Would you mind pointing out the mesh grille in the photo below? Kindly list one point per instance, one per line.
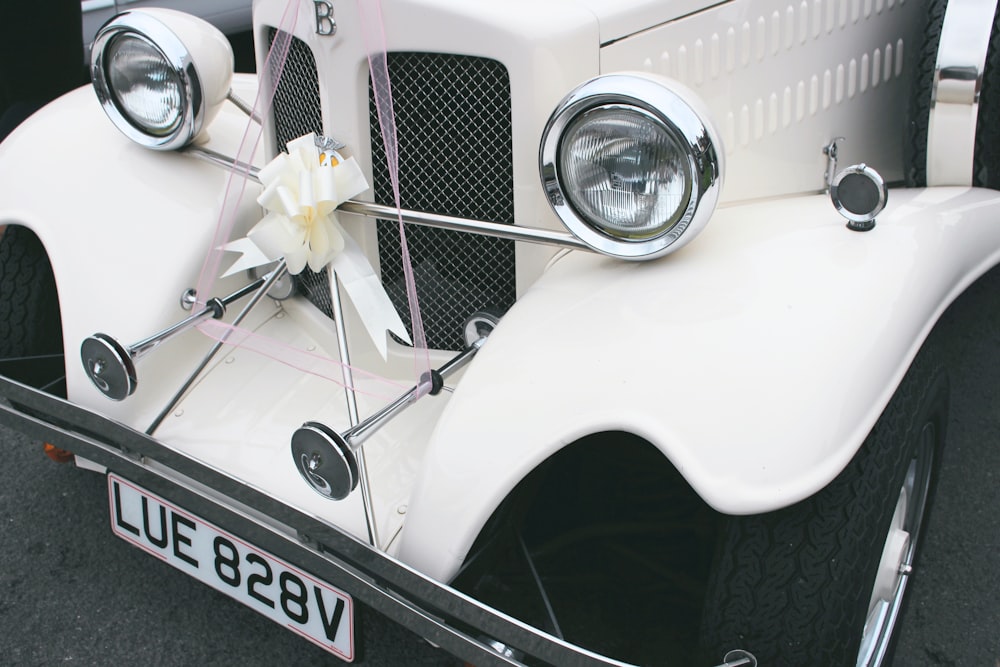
(297, 111)
(297, 108)
(453, 121)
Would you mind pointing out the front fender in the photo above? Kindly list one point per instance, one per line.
(126, 230)
(756, 359)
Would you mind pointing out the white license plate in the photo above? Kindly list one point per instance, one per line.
(285, 594)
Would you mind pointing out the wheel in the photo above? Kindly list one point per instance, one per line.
(986, 160)
(823, 582)
(31, 345)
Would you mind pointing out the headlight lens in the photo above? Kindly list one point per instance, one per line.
(625, 171)
(144, 85)
(631, 166)
(161, 75)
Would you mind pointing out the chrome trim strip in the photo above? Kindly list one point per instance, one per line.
(958, 80)
(961, 56)
(444, 616)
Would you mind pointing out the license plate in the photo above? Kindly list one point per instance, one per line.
(285, 594)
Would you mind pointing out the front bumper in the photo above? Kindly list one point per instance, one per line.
(447, 618)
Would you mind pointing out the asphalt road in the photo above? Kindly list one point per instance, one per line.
(72, 593)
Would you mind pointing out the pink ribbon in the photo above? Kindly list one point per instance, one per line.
(373, 32)
(274, 65)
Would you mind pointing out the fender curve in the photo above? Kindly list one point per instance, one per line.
(756, 359)
(122, 268)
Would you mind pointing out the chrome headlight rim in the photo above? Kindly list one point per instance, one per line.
(663, 102)
(154, 33)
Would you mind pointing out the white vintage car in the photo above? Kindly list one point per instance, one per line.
(558, 331)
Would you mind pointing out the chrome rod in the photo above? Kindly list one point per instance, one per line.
(243, 106)
(332, 463)
(352, 406)
(495, 229)
(268, 282)
(356, 435)
(111, 365)
(214, 309)
(227, 163)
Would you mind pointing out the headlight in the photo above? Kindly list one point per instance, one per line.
(630, 165)
(161, 75)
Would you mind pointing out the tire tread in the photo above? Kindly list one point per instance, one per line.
(785, 584)
(30, 323)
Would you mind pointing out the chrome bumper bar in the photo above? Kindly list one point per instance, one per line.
(442, 615)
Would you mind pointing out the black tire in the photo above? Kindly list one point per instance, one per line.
(986, 160)
(793, 586)
(915, 146)
(31, 342)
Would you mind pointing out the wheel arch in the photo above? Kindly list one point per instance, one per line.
(611, 511)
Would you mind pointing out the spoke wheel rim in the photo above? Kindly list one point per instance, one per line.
(898, 554)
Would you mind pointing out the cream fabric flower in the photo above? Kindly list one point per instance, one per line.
(302, 189)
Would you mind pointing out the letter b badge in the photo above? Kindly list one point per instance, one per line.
(325, 23)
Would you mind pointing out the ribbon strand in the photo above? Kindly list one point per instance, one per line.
(373, 32)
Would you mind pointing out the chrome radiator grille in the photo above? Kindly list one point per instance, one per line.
(453, 122)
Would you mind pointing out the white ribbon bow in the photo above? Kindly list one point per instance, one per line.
(302, 189)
